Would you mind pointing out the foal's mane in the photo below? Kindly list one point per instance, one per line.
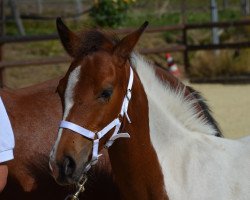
(206, 110)
(173, 100)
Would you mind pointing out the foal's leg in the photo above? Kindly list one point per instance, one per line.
(3, 176)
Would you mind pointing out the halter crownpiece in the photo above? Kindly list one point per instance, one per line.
(100, 134)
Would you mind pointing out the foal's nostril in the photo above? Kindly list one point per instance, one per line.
(68, 166)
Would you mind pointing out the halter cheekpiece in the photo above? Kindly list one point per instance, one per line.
(116, 123)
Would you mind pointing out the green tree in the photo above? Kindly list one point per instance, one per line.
(110, 12)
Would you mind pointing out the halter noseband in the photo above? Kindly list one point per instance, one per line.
(100, 134)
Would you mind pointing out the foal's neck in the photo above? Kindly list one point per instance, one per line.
(134, 161)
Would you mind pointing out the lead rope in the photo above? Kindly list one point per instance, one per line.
(80, 189)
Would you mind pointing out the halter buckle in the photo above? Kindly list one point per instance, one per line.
(93, 162)
(128, 94)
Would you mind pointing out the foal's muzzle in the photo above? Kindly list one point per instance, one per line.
(68, 166)
(64, 171)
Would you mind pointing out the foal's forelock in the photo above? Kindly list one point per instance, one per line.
(68, 102)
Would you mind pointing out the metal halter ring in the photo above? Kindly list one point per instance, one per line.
(80, 189)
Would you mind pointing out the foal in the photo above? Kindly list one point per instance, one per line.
(99, 85)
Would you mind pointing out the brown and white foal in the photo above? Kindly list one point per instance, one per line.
(104, 98)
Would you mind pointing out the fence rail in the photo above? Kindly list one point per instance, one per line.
(36, 62)
(185, 48)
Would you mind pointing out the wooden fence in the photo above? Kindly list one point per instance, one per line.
(184, 47)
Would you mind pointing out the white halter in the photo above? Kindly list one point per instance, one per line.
(115, 123)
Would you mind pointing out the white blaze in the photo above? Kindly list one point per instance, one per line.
(69, 102)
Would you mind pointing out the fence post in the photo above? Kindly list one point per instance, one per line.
(214, 18)
(245, 7)
(16, 16)
(185, 52)
(40, 6)
(2, 20)
(184, 36)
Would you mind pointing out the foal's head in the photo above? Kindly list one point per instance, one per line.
(92, 92)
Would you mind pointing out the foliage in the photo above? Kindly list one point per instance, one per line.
(110, 13)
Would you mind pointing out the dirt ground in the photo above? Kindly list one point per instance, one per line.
(230, 105)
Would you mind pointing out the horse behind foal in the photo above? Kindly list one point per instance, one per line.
(35, 113)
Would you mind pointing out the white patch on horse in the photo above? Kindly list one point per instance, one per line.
(69, 102)
(195, 164)
(171, 100)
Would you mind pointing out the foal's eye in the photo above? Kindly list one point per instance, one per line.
(106, 94)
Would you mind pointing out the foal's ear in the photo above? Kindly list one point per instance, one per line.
(70, 40)
(124, 48)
